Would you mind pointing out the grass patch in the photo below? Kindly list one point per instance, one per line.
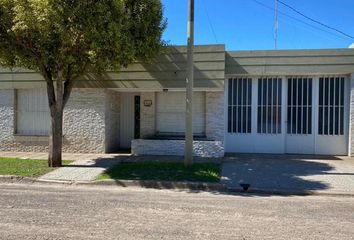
(25, 167)
(163, 171)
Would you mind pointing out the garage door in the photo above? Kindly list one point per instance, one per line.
(306, 115)
(170, 113)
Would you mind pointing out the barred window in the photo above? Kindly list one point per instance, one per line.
(239, 105)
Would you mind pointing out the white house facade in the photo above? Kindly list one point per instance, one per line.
(284, 101)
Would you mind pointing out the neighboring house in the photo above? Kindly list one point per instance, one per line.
(283, 101)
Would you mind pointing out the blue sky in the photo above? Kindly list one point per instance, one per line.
(247, 25)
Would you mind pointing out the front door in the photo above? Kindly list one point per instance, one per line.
(129, 119)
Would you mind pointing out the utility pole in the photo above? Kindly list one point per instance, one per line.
(188, 155)
(276, 24)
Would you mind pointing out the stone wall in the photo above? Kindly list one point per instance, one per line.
(147, 115)
(112, 121)
(83, 129)
(176, 147)
(215, 123)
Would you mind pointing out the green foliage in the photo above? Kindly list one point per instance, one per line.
(25, 167)
(164, 171)
(76, 35)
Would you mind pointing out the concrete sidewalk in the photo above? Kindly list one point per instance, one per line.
(86, 167)
(290, 173)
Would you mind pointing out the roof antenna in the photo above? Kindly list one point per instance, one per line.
(276, 24)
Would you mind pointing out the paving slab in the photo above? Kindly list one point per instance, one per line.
(300, 173)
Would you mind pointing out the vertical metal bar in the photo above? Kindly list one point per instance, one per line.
(297, 105)
(333, 106)
(340, 106)
(329, 104)
(241, 103)
(266, 100)
(291, 106)
(307, 105)
(260, 81)
(246, 106)
(236, 105)
(323, 103)
(231, 91)
(271, 105)
(301, 106)
(277, 104)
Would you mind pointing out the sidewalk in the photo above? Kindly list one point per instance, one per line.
(86, 167)
(290, 173)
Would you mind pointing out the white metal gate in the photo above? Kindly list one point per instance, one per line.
(306, 115)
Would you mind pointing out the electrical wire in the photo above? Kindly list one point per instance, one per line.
(210, 23)
(315, 21)
(299, 20)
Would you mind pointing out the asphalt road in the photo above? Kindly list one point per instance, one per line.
(69, 212)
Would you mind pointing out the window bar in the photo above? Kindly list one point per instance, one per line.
(236, 110)
(266, 104)
(307, 105)
(329, 104)
(230, 103)
(323, 104)
(246, 107)
(334, 107)
(233, 105)
(291, 106)
(301, 104)
(241, 106)
(239, 127)
(297, 105)
(340, 106)
(261, 104)
(272, 107)
(276, 113)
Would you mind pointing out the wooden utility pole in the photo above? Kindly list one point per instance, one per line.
(188, 156)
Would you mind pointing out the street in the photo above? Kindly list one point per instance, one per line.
(79, 212)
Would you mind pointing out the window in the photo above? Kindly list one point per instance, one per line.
(299, 105)
(170, 113)
(269, 105)
(239, 105)
(331, 106)
(32, 112)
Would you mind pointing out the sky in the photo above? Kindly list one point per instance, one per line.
(249, 24)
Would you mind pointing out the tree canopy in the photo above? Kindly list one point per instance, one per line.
(64, 39)
(45, 35)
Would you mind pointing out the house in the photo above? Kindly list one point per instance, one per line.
(280, 101)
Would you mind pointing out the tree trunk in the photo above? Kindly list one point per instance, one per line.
(56, 112)
(56, 138)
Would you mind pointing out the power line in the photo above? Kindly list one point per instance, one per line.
(314, 20)
(298, 20)
(209, 21)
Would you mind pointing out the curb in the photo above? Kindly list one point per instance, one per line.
(288, 192)
(196, 186)
(157, 184)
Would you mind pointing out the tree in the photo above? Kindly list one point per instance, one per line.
(66, 39)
